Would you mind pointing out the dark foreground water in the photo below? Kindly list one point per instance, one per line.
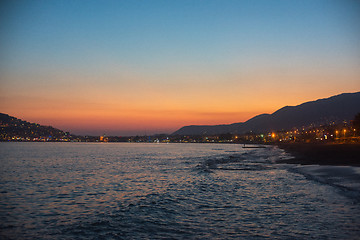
(171, 191)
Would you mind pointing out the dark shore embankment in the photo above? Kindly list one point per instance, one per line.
(322, 154)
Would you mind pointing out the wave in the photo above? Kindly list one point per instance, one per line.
(254, 160)
(344, 178)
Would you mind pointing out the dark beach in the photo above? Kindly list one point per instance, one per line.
(322, 154)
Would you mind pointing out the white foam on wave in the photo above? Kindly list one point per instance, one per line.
(347, 177)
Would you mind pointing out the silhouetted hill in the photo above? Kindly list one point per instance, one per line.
(13, 128)
(323, 111)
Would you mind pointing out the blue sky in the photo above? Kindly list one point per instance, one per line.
(193, 48)
(156, 33)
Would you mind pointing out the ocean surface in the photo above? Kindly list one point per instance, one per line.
(166, 191)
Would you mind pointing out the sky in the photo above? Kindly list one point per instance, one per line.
(126, 68)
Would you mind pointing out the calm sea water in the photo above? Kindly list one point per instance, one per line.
(164, 191)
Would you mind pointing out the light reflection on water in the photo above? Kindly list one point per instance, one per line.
(81, 191)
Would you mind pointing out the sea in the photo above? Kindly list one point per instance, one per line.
(166, 191)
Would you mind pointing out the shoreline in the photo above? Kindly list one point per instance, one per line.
(322, 154)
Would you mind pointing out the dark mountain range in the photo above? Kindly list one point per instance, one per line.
(323, 111)
(13, 128)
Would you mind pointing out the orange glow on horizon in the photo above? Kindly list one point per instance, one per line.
(156, 105)
(165, 122)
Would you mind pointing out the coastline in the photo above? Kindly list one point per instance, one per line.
(322, 154)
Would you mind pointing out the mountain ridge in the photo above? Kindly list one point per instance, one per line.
(13, 128)
(321, 111)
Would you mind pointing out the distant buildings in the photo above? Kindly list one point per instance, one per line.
(13, 129)
(104, 138)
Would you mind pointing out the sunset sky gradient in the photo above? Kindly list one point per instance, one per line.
(145, 67)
